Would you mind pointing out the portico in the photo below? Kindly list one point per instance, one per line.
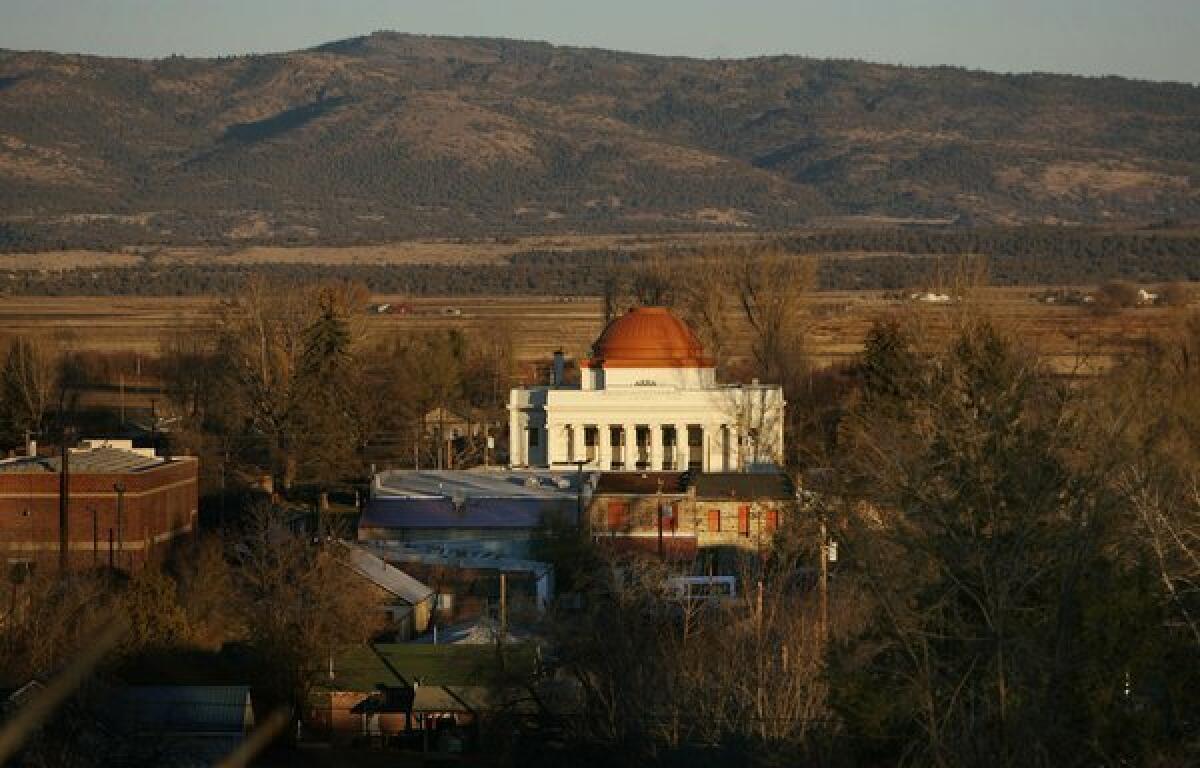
(648, 401)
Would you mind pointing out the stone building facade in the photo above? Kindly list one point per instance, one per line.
(712, 520)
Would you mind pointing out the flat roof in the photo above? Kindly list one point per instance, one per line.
(473, 512)
(467, 484)
(641, 483)
(103, 460)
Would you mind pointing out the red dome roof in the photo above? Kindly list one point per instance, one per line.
(648, 337)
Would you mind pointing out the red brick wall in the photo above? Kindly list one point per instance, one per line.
(159, 506)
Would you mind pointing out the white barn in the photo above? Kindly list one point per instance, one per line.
(648, 400)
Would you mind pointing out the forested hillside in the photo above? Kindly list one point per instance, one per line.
(392, 136)
(886, 259)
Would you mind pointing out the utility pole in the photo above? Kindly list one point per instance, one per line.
(64, 480)
(221, 509)
(823, 583)
(119, 487)
(662, 554)
(503, 607)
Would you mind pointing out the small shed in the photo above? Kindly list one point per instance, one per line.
(408, 601)
(184, 724)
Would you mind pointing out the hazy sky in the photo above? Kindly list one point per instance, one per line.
(1156, 39)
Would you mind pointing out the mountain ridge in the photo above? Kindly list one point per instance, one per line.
(389, 136)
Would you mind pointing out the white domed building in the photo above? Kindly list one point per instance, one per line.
(648, 400)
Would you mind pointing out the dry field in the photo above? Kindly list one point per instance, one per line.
(486, 251)
(1071, 338)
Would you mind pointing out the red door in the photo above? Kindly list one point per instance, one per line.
(618, 515)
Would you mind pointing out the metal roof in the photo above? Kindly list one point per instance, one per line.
(190, 708)
(103, 460)
(387, 576)
(464, 484)
(472, 513)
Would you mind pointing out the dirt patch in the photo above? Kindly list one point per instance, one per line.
(1062, 179)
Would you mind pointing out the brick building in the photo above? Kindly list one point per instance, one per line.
(125, 505)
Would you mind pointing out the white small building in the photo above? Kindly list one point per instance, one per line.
(648, 400)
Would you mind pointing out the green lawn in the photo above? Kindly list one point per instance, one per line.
(361, 668)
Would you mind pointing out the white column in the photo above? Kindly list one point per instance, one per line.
(630, 441)
(681, 447)
(656, 447)
(516, 438)
(706, 448)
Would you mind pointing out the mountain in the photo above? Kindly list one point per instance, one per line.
(390, 136)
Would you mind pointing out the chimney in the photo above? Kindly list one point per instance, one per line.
(559, 365)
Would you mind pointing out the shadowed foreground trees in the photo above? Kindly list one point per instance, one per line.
(263, 606)
(1018, 584)
(1011, 621)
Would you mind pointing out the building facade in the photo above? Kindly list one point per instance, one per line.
(716, 522)
(123, 505)
(648, 400)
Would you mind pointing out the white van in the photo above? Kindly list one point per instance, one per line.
(701, 587)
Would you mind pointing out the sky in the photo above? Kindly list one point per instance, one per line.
(1149, 39)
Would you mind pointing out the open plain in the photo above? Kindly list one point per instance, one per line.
(1073, 339)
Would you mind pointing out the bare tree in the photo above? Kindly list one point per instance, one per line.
(1169, 525)
(29, 382)
(297, 601)
(770, 285)
(264, 333)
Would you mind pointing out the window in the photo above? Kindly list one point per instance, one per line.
(744, 520)
(772, 520)
(667, 512)
(695, 441)
(714, 521)
(641, 438)
(669, 447)
(591, 439)
(533, 437)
